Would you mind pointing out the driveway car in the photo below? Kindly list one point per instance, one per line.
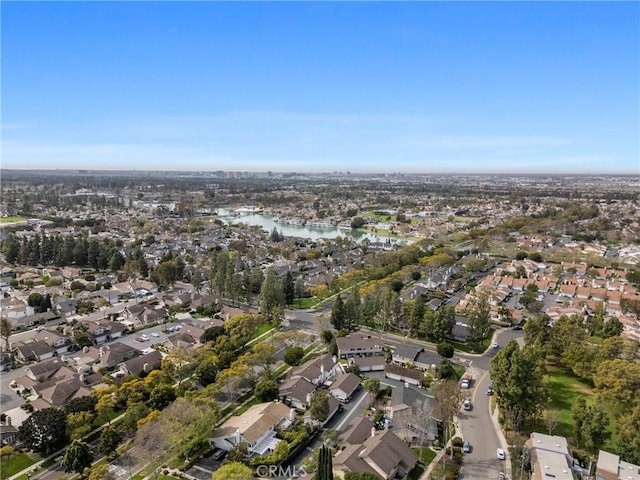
(500, 454)
(495, 345)
(464, 383)
(218, 454)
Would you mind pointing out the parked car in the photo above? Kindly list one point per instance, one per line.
(145, 338)
(495, 345)
(218, 454)
(466, 447)
(490, 390)
(467, 405)
(501, 476)
(500, 454)
(464, 383)
(155, 334)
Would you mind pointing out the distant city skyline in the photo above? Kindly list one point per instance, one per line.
(415, 87)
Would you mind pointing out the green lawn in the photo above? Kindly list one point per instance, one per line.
(564, 388)
(465, 347)
(18, 462)
(11, 219)
(305, 303)
(427, 455)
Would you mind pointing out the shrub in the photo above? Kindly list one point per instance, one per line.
(457, 442)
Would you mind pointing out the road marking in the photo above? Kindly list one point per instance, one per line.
(475, 390)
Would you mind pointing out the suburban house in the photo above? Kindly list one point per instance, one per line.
(380, 453)
(187, 337)
(297, 392)
(257, 427)
(404, 354)
(403, 374)
(35, 351)
(358, 345)
(8, 433)
(140, 365)
(550, 458)
(374, 363)
(52, 383)
(410, 411)
(610, 467)
(317, 370)
(60, 343)
(345, 386)
(109, 356)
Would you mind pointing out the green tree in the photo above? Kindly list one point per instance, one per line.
(518, 381)
(353, 307)
(416, 314)
(44, 430)
(77, 457)
(79, 424)
(478, 321)
(35, 300)
(233, 471)
(319, 406)
(443, 322)
(372, 387)
(271, 295)
(207, 371)
(293, 355)
(161, 396)
(239, 453)
(325, 467)
(266, 390)
(619, 382)
(445, 350)
(628, 445)
(595, 427)
(612, 328)
(579, 415)
(5, 332)
(288, 288)
(110, 438)
(338, 314)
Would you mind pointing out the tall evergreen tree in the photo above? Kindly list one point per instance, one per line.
(325, 464)
(338, 314)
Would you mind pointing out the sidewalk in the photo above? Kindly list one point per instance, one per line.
(441, 452)
(503, 441)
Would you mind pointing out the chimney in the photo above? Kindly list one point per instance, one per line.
(145, 368)
(7, 420)
(373, 431)
(238, 436)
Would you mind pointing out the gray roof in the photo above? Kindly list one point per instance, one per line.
(407, 351)
(347, 382)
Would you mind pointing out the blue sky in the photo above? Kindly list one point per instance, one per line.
(461, 87)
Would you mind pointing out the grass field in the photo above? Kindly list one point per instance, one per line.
(564, 389)
(305, 303)
(11, 219)
(427, 455)
(18, 462)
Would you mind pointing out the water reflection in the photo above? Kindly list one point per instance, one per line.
(268, 222)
